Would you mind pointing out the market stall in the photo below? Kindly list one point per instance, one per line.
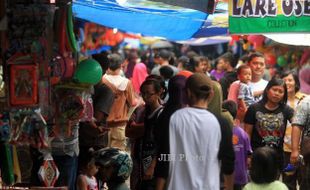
(43, 89)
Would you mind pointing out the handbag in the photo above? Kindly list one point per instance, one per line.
(305, 148)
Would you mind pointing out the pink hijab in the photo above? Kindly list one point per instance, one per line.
(304, 78)
(138, 76)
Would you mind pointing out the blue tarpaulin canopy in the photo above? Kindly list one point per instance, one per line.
(150, 18)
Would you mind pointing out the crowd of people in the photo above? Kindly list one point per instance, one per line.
(190, 124)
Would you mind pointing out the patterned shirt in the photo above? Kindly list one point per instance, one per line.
(302, 115)
(245, 93)
(287, 145)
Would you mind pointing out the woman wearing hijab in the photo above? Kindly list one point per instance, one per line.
(177, 99)
(139, 75)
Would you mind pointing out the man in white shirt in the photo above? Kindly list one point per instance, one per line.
(257, 64)
(198, 143)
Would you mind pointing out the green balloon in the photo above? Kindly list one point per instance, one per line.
(88, 71)
(281, 61)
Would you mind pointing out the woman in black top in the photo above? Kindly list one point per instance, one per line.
(265, 122)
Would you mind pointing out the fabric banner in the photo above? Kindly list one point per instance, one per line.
(144, 17)
(207, 6)
(267, 16)
(155, 19)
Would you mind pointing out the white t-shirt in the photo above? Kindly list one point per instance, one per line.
(195, 136)
(258, 86)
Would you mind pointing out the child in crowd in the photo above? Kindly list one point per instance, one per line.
(86, 180)
(115, 167)
(264, 171)
(245, 94)
(242, 148)
(218, 72)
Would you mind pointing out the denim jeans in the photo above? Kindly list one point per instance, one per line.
(67, 167)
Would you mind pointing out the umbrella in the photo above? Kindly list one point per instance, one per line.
(161, 44)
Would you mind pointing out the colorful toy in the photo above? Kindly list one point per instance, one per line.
(48, 172)
(88, 71)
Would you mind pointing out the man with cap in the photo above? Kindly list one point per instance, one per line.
(198, 142)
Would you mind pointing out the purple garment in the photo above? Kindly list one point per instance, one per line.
(217, 75)
(242, 148)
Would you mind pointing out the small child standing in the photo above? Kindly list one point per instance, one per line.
(242, 148)
(86, 180)
(245, 94)
(115, 167)
(264, 171)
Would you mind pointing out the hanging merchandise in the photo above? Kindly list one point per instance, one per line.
(62, 30)
(30, 34)
(23, 85)
(28, 128)
(70, 31)
(88, 111)
(270, 59)
(88, 71)
(16, 167)
(44, 97)
(23, 79)
(4, 127)
(27, 23)
(26, 162)
(69, 108)
(281, 61)
(48, 172)
(2, 83)
(21, 128)
(57, 67)
(7, 165)
(62, 64)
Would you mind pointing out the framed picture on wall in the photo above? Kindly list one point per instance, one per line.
(23, 85)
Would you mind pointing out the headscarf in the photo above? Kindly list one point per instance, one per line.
(215, 104)
(304, 78)
(177, 92)
(177, 99)
(138, 76)
(132, 57)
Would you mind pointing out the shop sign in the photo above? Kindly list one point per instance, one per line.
(269, 16)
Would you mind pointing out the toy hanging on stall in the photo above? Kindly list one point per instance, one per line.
(23, 80)
(69, 109)
(28, 128)
(48, 172)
